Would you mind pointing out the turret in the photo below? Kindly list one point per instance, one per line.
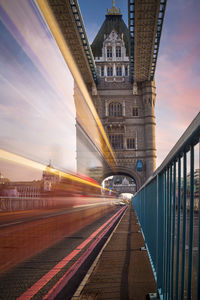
(149, 97)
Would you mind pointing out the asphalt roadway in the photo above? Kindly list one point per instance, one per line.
(35, 254)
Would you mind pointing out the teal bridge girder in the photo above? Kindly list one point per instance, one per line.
(81, 29)
(140, 37)
(152, 13)
(145, 22)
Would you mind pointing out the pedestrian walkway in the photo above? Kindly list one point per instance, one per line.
(123, 270)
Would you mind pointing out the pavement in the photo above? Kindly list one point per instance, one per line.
(123, 271)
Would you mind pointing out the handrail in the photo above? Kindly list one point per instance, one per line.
(191, 134)
(168, 211)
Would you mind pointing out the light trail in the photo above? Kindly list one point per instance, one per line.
(29, 163)
(49, 17)
(48, 276)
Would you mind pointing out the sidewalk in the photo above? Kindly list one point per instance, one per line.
(123, 270)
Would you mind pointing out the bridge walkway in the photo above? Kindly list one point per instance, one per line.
(122, 270)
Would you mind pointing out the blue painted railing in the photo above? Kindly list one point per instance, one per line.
(167, 207)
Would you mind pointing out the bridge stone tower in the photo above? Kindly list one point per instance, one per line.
(126, 110)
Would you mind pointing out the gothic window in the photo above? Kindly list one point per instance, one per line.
(102, 70)
(130, 143)
(109, 71)
(118, 51)
(117, 141)
(115, 109)
(135, 112)
(119, 71)
(126, 71)
(109, 51)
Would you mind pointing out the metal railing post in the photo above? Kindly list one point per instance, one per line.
(168, 234)
(184, 224)
(173, 230)
(189, 286)
(198, 271)
(178, 229)
(162, 211)
(144, 212)
(160, 231)
(165, 236)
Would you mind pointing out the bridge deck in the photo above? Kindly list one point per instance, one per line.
(123, 270)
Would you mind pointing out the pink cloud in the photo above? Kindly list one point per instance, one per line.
(178, 83)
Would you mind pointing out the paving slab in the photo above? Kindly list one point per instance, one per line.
(123, 270)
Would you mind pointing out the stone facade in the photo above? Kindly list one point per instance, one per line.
(126, 111)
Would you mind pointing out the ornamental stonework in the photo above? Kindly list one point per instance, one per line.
(126, 112)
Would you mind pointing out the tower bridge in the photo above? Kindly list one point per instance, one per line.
(118, 70)
(73, 114)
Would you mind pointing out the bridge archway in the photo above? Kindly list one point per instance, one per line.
(123, 171)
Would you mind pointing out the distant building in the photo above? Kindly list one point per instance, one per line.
(30, 189)
(3, 180)
(121, 184)
(22, 189)
(108, 183)
(49, 178)
(196, 182)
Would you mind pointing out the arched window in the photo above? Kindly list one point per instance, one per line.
(109, 71)
(118, 51)
(119, 71)
(115, 109)
(109, 51)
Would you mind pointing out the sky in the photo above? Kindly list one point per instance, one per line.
(36, 103)
(177, 74)
(37, 111)
(37, 107)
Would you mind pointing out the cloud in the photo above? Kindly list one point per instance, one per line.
(177, 78)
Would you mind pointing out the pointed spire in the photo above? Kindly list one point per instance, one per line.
(113, 10)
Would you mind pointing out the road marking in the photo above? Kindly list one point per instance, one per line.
(87, 276)
(49, 215)
(55, 290)
(48, 276)
(9, 224)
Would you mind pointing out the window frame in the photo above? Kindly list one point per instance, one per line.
(102, 71)
(118, 71)
(115, 109)
(118, 50)
(126, 70)
(117, 141)
(130, 144)
(109, 52)
(110, 71)
(135, 111)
